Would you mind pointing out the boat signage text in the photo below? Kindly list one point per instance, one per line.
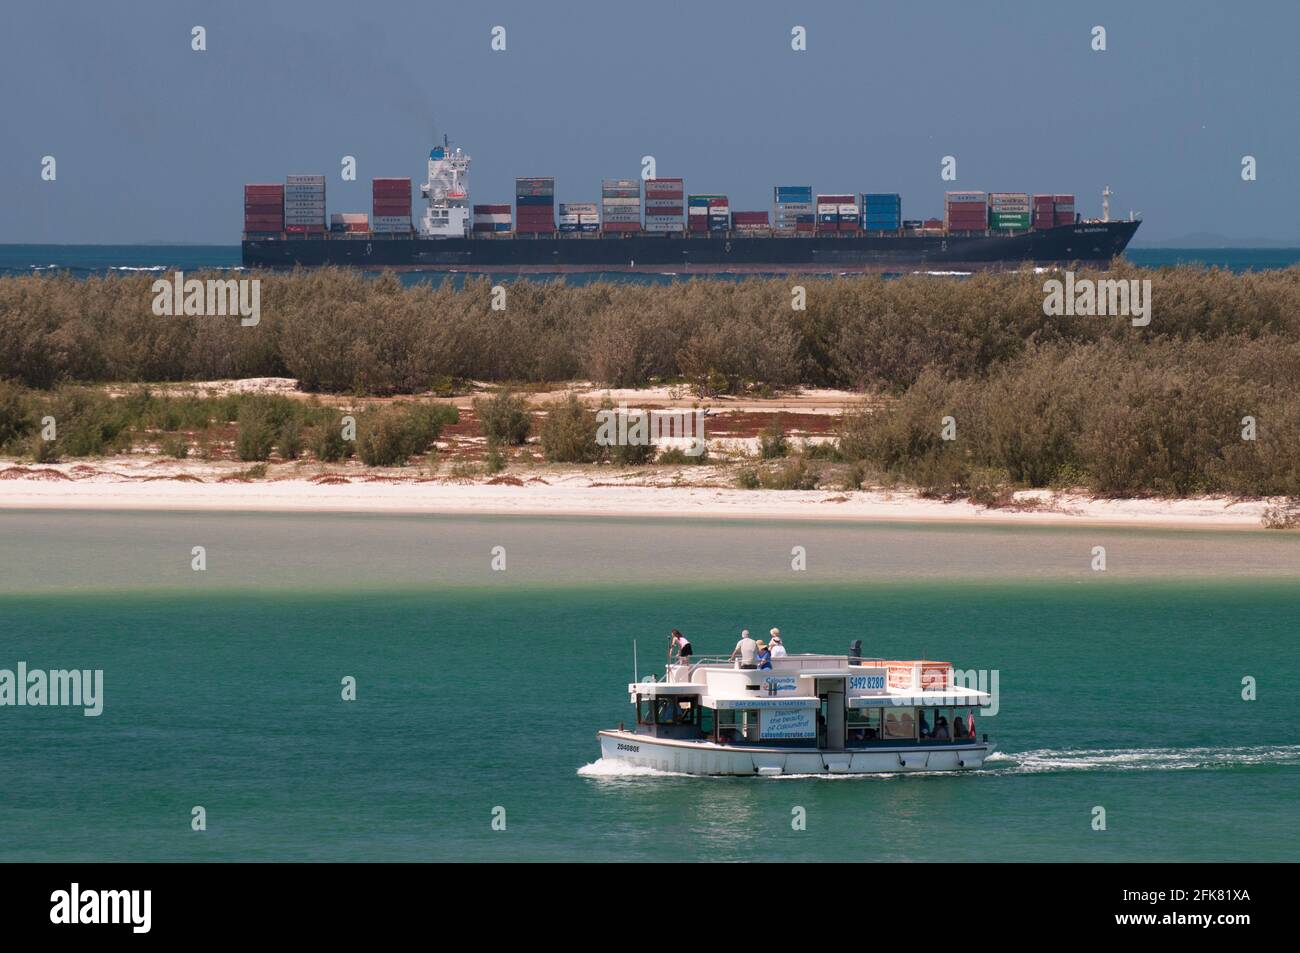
(787, 723)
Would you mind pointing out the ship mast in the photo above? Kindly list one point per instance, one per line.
(1105, 204)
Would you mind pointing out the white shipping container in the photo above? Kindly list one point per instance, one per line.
(655, 226)
(850, 210)
(624, 203)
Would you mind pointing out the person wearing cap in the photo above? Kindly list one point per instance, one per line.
(775, 646)
(764, 656)
(746, 650)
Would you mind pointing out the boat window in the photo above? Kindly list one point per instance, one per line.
(644, 710)
(863, 724)
(707, 716)
(728, 725)
(676, 709)
(961, 723)
(900, 722)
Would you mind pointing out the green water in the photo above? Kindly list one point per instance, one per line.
(479, 690)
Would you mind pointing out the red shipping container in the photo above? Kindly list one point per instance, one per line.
(749, 218)
(304, 229)
(849, 226)
(621, 226)
(491, 209)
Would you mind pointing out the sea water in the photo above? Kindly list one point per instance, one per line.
(478, 692)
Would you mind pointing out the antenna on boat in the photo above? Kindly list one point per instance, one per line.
(1105, 204)
(635, 675)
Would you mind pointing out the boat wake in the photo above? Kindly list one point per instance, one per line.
(606, 768)
(1043, 760)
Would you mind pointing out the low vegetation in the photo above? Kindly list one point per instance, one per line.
(1206, 399)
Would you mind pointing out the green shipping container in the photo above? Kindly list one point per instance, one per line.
(1018, 221)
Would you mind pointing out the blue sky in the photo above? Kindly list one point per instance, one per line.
(153, 141)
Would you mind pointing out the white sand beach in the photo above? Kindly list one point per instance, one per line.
(142, 482)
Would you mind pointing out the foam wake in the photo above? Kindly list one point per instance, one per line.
(606, 768)
(1041, 760)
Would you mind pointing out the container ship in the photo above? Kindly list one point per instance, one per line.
(654, 225)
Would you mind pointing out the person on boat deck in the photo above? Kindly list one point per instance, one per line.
(746, 649)
(774, 644)
(925, 726)
(941, 729)
(958, 728)
(683, 646)
(764, 655)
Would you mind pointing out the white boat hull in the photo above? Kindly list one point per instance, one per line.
(706, 758)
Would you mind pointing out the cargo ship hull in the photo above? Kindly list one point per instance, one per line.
(1088, 243)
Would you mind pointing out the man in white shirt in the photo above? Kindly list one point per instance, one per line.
(746, 649)
(775, 645)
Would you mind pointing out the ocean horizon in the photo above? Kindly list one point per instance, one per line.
(89, 260)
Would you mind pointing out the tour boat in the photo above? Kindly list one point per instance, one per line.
(807, 714)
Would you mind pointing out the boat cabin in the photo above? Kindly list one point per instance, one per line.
(830, 702)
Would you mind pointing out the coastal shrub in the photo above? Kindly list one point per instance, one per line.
(793, 474)
(15, 413)
(290, 441)
(327, 444)
(568, 432)
(632, 454)
(337, 331)
(504, 418)
(747, 479)
(257, 431)
(679, 457)
(772, 442)
(389, 436)
(88, 423)
(820, 451)
(174, 445)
